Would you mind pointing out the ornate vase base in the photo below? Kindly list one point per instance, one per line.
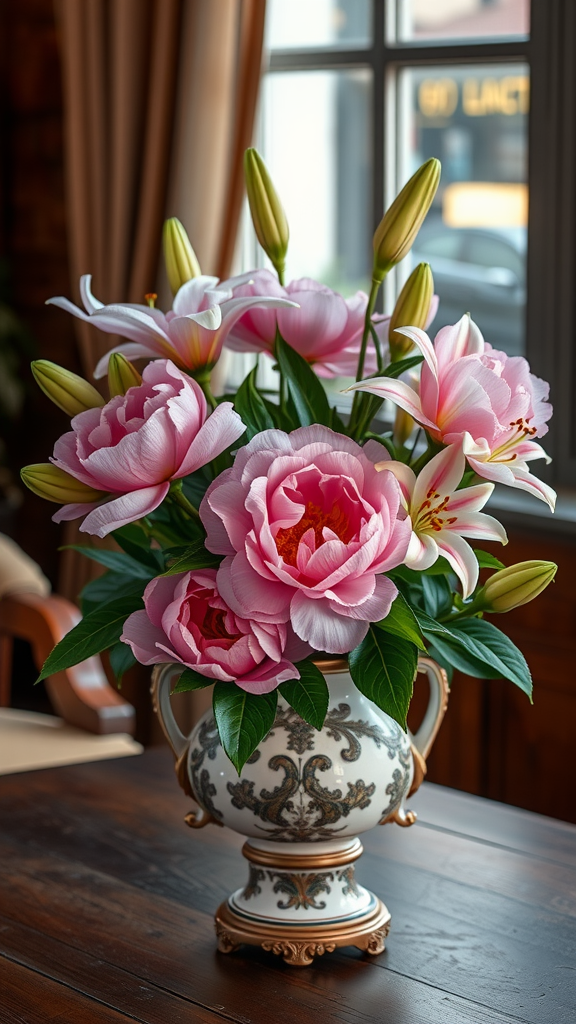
(302, 901)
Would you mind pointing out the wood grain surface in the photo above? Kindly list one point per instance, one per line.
(106, 904)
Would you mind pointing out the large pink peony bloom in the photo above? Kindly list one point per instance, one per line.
(308, 526)
(138, 442)
(326, 329)
(483, 399)
(187, 621)
(191, 333)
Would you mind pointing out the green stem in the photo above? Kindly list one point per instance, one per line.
(467, 613)
(366, 332)
(176, 495)
(358, 396)
(416, 439)
(203, 379)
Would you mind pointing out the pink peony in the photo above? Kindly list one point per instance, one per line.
(308, 526)
(326, 329)
(483, 399)
(138, 442)
(187, 621)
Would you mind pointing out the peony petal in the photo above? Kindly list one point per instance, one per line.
(323, 628)
(144, 638)
(123, 510)
(220, 430)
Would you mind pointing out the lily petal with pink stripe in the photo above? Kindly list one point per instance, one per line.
(484, 399)
(442, 515)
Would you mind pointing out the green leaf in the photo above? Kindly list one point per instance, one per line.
(453, 653)
(250, 406)
(93, 634)
(243, 720)
(486, 560)
(488, 643)
(109, 587)
(397, 369)
(448, 668)
(121, 659)
(308, 695)
(118, 561)
(193, 556)
(402, 622)
(306, 391)
(437, 594)
(191, 680)
(383, 667)
(135, 542)
(478, 648)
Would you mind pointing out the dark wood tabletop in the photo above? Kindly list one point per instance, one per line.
(106, 904)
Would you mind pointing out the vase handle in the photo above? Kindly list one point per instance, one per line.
(437, 705)
(162, 678)
(421, 743)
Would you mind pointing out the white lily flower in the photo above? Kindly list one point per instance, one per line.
(191, 334)
(442, 516)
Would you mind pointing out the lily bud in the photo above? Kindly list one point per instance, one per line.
(122, 374)
(67, 390)
(54, 484)
(402, 221)
(180, 258)
(516, 585)
(268, 215)
(411, 310)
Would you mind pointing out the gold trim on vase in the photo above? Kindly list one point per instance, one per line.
(299, 944)
(303, 861)
(331, 666)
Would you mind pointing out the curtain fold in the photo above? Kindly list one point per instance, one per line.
(159, 98)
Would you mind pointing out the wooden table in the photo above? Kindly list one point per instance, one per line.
(106, 903)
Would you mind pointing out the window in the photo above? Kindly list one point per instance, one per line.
(359, 93)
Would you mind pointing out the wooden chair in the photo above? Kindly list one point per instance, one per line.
(81, 695)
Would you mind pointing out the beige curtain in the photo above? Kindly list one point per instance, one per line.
(159, 98)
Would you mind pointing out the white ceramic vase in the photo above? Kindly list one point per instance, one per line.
(302, 800)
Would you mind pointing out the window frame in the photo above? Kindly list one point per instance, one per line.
(551, 251)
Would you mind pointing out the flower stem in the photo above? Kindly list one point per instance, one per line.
(358, 396)
(203, 379)
(179, 498)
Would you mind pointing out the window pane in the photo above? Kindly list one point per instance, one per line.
(462, 19)
(315, 137)
(475, 120)
(301, 23)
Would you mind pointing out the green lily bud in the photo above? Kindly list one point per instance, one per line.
(180, 258)
(268, 215)
(122, 374)
(411, 310)
(67, 390)
(402, 221)
(54, 484)
(516, 585)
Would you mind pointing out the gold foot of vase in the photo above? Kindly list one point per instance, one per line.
(299, 906)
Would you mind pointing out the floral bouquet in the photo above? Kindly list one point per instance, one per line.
(257, 531)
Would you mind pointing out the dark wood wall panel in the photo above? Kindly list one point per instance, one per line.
(493, 742)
